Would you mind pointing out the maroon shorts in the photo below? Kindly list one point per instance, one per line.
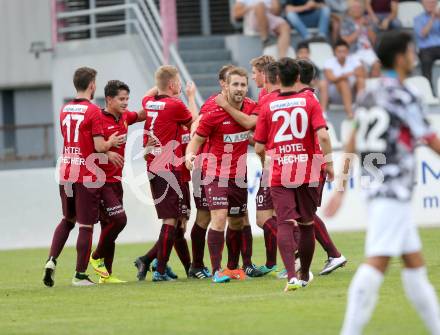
(111, 202)
(299, 203)
(200, 198)
(168, 195)
(186, 202)
(226, 194)
(199, 191)
(80, 202)
(264, 199)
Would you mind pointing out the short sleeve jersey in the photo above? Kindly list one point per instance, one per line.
(165, 116)
(262, 100)
(261, 94)
(390, 119)
(111, 124)
(287, 125)
(209, 105)
(80, 121)
(228, 141)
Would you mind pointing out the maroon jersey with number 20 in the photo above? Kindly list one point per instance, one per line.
(287, 125)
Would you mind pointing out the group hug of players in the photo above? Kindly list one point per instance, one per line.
(290, 136)
(288, 130)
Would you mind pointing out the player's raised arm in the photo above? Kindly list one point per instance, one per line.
(191, 94)
(244, 120)
(152, 92)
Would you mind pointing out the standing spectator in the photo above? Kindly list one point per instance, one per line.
(264, 17)
(360, 36)
(383, 14)
(345, 74)
(303, 14)
(427, 30)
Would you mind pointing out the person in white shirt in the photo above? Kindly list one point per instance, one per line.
(263, 16)
(345, 75)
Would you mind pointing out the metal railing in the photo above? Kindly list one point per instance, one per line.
(140, 15)
(11, 153)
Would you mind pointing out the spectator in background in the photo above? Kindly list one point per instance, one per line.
(303, 14)
(360, 36)
(383, 14)
(345, 75)
(319, 84)
(427, 31)
(337, 10)
(264, 17)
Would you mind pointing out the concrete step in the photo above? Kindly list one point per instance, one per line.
(201, 43)
(206, 55)
(206, 79)
(195, 68)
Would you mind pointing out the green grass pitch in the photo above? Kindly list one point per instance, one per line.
(254, 306)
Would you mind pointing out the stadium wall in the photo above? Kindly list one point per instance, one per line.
(31, 207)
(22, 23)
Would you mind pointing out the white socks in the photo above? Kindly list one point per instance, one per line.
(362, 298)
(363, 294)
(422, 295)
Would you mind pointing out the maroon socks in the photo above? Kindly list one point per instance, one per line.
(216, 241)
(198, 235)
(181, 247)
(83, 248)
(246, 246)
(324, 238)
(60, 237)
(287, 246)
(270, 241)
(164, 246)
(233, 242)
(306, 249)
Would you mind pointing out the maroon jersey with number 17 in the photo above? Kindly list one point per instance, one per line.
(80, 121)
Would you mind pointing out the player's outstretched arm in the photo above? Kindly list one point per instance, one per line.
(142, 115)
(434, 144)
(244, 120)
(260, 150)
(114, 140)
(193, 147)
(335, 201)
